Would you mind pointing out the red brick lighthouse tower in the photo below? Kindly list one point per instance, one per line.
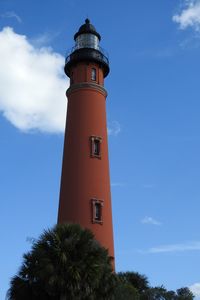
(85, 184)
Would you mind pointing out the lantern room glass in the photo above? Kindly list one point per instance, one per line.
(87, 40)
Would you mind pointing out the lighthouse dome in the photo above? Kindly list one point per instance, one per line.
(87, 28)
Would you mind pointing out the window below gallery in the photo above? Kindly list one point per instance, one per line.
(94, 74)
(96, 146)
(97, 209)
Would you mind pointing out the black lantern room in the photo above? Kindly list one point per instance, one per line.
(87, 49)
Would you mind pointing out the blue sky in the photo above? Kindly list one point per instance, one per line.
(153, 124)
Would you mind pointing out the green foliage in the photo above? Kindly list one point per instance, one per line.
(158, 293)
(126, 291)
(138, 281)
(142, 290)
(64, 263)
(184, 294)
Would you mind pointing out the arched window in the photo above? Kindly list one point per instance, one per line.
(94, 74)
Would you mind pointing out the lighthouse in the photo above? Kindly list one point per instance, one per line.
(85, 196)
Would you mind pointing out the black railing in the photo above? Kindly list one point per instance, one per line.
(99, 53)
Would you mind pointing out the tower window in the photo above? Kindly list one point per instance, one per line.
(94, 74)
(97, 212)
(96, 146)
(97, 207)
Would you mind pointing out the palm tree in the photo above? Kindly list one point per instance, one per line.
(138, 281)
(64, 263)
(126, 291)
(184, 294)
(24, 289)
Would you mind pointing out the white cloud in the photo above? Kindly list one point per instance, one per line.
(43, 39)
(190, 246)
(189, 16)
(114, 128)
(12, 14)
(195, 289)
(32, 90)
(150, 220)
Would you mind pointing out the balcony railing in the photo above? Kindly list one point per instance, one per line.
(99, 53)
